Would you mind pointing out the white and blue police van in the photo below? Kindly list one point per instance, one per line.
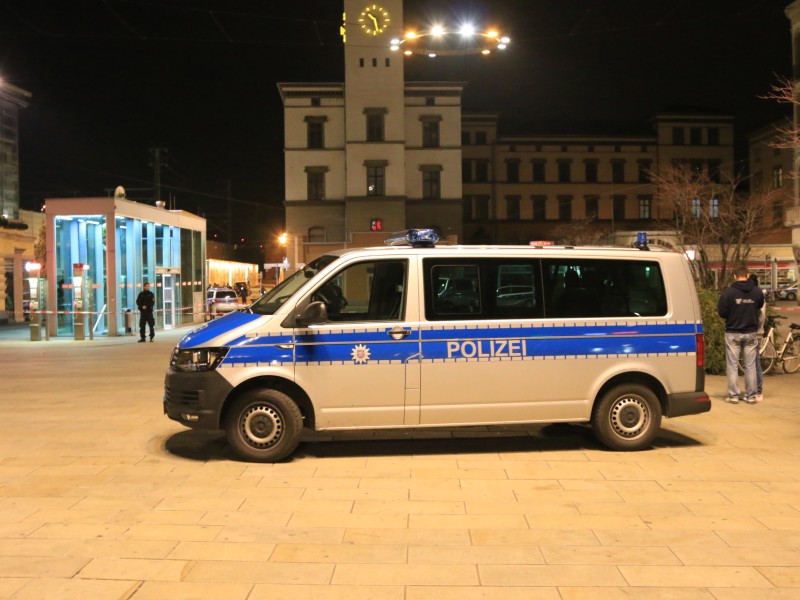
(423, 335)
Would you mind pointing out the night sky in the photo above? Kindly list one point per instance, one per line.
(112, 78)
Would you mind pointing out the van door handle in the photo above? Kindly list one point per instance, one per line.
(398, 333)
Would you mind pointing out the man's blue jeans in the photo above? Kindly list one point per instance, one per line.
(735, 344)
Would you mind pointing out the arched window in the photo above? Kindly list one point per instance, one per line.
(316, 234)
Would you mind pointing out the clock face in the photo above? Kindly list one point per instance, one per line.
(374, 19)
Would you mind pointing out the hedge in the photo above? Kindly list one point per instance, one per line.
(714, 331)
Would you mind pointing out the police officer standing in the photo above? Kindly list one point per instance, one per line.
(146, 301)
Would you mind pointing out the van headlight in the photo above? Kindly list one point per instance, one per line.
(190, 360)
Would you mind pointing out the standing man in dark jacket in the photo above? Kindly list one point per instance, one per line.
(740, 305)
(146, 301)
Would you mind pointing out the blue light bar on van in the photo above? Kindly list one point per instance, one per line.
(418, 238)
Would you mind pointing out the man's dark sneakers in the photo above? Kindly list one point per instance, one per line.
(151, 338)
(141, 340)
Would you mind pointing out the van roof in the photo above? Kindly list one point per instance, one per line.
(494, 250)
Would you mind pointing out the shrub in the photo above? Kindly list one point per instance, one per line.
(713, 330)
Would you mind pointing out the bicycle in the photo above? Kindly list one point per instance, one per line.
(788, 355)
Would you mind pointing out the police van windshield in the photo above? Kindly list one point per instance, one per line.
(273, 299)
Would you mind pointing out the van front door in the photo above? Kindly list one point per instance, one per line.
(361, 367)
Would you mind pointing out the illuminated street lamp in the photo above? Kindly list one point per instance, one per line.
(441, 40)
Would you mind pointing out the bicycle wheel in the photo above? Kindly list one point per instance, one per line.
(768, 356)
(791, 357)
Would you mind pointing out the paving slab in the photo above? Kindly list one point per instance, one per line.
(101, 496)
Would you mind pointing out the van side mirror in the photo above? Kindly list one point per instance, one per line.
(313, 314)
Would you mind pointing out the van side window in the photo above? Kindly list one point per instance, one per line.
(603, 288)
(366, 291)
(486, 288)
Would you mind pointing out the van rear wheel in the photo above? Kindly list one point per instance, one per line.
(263, 425)
(627, 417)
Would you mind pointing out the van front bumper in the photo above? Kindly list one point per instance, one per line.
(687, 403)
(195, 399)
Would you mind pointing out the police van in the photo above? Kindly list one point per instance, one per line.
(417, 335)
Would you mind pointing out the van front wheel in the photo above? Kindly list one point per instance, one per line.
(264, 425)
(627, 417)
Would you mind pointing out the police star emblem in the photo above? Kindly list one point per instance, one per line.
(360, 354)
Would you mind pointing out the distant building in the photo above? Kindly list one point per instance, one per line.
(771, 168)
(524, 187)
(100, 251)
(12, 99)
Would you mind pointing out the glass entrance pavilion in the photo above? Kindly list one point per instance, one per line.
(100, 251)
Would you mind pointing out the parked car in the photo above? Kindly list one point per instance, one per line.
(787, 293)
(221, 300)
(515, 295)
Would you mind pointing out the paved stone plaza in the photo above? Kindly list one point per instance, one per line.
(102, 497)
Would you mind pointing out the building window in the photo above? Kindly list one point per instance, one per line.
(431, 181)
(565, 208)
(374, 62)
(360, 62)
(482, 171)
(316, 234)
(777, 177)
(465, 138)
(466, 170)
(645, 166)
(713, 208)
(466, 209)
(591, 171)
(564, 171)
(618, 171)
(480, 138)
(539, 208)
(315, 101)
(697, 208)
(316, 185)
(315, 130)
(375, 124)
(695, 136)
(315, 182)
(387, 62)
(777, 213)
(482, 208)
(696, 167)
(592, 204)
(430, 100)
(619, 207)
(713, 170)
(512, 171)
(538, 171)
(678, 137)
(512, 208)
(430, 133)
(713, 136)
(645, 205)
(376, 175)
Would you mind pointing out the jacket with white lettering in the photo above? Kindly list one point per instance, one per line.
(739, 305)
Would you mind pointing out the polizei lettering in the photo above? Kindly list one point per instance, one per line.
(487, 349)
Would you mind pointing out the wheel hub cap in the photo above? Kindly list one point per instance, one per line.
(262, 426)
(629, 416)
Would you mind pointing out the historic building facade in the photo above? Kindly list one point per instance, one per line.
(519, 188)
(375, 153)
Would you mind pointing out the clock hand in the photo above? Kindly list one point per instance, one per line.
(374, 20)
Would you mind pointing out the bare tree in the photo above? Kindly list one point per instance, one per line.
(715, 219)
(782, 92)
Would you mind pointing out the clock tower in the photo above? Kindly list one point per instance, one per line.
(373, 153)
(374, 115)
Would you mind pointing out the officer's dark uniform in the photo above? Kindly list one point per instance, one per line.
(146, 301)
